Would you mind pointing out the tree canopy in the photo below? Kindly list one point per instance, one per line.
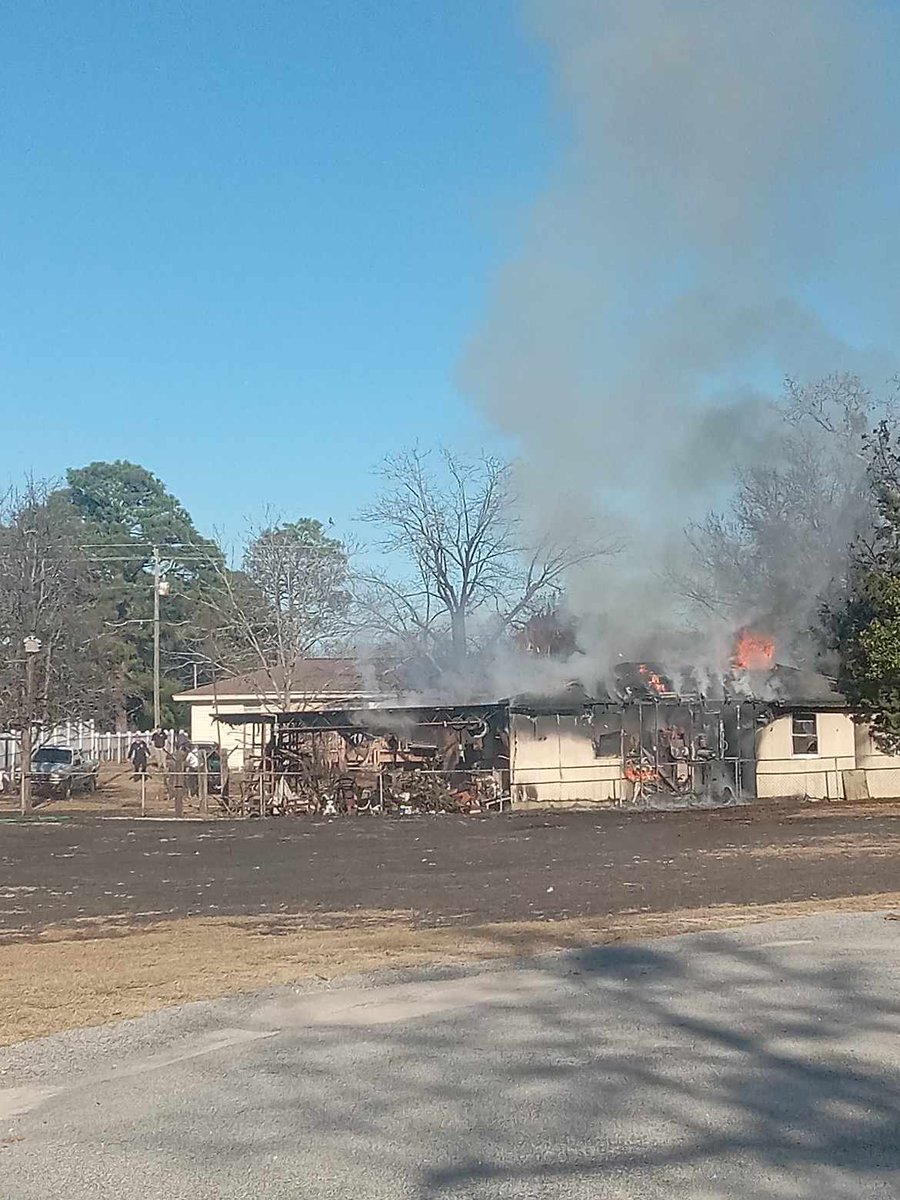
(124, 512)
(865, 626)
(288, 601)
(47, 590)
(121, 499)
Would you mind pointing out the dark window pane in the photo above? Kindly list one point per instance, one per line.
(607, 744)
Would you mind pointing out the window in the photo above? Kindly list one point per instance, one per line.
(53, 754)
(805, 733)
(607, 737)
(608, 745)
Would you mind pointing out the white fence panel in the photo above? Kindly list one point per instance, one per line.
(107, 746)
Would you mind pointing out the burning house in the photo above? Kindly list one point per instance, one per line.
(445, 758)
(761, 730)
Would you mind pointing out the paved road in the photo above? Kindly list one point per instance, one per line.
(761, 1063)
(443, 869)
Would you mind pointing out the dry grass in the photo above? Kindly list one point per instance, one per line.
(101, 970)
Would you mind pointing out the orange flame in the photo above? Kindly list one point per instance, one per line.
(654, 681)
(753, 651)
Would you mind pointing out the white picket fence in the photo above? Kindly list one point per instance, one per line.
(84, 736)
(108, 747)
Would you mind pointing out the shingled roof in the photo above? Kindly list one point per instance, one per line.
(307, 677)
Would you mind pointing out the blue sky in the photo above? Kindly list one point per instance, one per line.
(245, 244)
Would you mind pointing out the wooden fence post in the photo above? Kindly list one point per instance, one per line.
(178, 789)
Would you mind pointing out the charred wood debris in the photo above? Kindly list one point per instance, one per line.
(454, 760)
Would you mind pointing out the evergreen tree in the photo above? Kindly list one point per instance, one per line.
(865, 629)
(124, 511)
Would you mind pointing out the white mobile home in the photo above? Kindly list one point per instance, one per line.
(803, 740)
(813, 746)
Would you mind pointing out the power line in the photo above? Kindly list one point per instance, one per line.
(130, 542)
(129, 558)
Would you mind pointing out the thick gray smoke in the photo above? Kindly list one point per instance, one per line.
(724, 216)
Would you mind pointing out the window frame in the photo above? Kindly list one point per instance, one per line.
(597, 743)
(805, 715)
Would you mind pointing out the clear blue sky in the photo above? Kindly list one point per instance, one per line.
(244, 244)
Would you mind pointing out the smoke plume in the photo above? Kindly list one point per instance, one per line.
(723, 216)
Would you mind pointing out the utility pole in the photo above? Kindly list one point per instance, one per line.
(157, 717)
(32, 646)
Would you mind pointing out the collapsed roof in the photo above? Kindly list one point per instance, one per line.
(780, 688)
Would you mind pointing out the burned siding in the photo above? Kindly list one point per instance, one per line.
(632, 752)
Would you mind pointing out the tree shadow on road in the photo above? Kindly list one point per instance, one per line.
(762, 1068)
(599, 1067)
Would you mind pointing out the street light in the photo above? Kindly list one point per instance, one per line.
(31, 645)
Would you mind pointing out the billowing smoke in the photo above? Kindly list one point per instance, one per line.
(724, 216)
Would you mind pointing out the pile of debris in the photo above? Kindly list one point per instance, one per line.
(324, 764)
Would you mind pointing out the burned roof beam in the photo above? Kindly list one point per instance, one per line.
(337, 720)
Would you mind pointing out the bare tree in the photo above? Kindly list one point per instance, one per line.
(287, 601)
(782, 547)
(51, 650)
(455, 525)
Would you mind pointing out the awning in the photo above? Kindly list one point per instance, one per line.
(377, 719)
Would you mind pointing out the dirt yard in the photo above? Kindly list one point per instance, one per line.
(118, 795)
(107, 918)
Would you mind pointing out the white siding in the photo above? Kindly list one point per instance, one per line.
(237, 739)
(232, 738)
(882, 770)
(552, 759)
(780, 772)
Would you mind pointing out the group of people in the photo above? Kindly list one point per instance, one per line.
(154, 749)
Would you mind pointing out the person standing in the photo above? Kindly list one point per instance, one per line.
(139, 756)
(158, 748)
(192, 770)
